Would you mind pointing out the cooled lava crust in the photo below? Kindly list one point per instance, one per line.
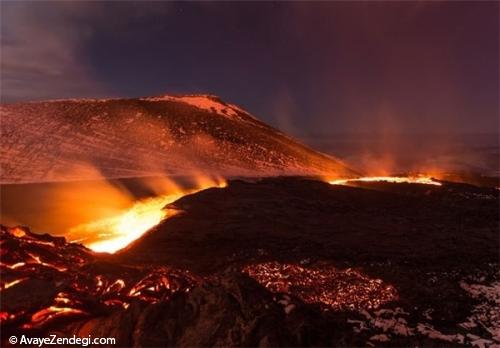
(275, 262)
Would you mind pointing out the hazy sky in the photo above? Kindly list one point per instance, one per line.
(305, 67)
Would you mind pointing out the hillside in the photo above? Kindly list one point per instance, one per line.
(183, 135)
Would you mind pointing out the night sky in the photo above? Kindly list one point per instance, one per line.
(321, 67)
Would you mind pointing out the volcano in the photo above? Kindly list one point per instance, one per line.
(272, 244)
(172, 135)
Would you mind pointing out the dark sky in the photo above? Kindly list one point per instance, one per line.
(305, 67)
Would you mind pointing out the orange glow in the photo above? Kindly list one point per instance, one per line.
(67, 204)
(12, 283)
(113, 233)
(18, 232)
(38, 260)
(62, 298)
(14, 266)
(415, 179)
(115, 287)
(44, 315)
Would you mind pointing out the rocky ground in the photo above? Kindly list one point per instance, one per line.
(275, 262)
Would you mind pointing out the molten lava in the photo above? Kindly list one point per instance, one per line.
(56, 277)
(417, 179)
(116, 232)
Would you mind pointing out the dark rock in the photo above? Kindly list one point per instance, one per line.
(232, 310)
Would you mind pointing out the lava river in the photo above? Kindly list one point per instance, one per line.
(115, 232)
(410, 179)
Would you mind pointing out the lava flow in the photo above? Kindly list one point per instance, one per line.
(116, 232)
(45, 278)
(412, 179)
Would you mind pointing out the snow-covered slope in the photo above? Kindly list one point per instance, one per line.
(174, 135)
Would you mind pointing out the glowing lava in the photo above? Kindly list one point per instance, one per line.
(35, 261)
(116, 232)
(328, 286)
(417, 179)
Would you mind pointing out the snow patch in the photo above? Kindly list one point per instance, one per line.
(479, 342)
(428, 330)
(487, 313)
(72, 100)
(389, 322)
(205, 102)
(380, 338)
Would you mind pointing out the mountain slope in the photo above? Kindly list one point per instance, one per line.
(58, 140)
